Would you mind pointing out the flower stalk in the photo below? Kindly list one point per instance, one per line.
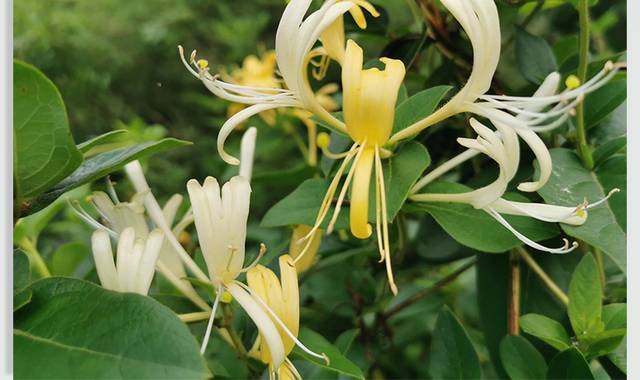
(583, 147)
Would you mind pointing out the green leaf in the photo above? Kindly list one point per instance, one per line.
(102, 164)
(21, 298)
(609, 148)
(546, 329)
(337, 361)
(21, 271)
(619, 356)
(585, 298)
(43, 148)
(493, 277)
(418, 107)
(452, 354)
(79, 330)
(570, 183)
(346, 339)
(600, 103)
(405, 48)
(475, 228)
(534, 56)
(401, 172)
(104, 138)
(569, 365)
(521, 360)
(68, 257)
(302, 206)
(614, 316)
(602, 343)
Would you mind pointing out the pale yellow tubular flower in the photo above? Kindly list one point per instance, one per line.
(296, 246)
(369, 99)
(283, 299)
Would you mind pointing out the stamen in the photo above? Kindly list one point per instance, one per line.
(562, 250)
(282, 325)
(207, 334)
(345, 187)
(385, 221)
(84, 215)
(326, 203)
(601, 201)
(186, 64)
(263, 250)
(111, 190)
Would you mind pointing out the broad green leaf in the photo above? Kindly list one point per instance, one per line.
(68, 257)
(43, 149)
(102, 164)
(400, 171)
(493, 277)
(475, 228)
(21, 271)
(337, 361)
(569, 365)
(619, 356)
(534, 56)
(614, 316)
(570, 183)
(612, 173)
(104, 138)
(21, 298)
(452, 353)
(546, 329)
(77, 329)
(609, 148)
(302, 206)
(602, 343)
(346, 339)
(585, 298)
(418, 107)
(600, 103)
(521, 360)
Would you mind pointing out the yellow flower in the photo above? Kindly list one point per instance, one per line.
(369, 99)
(296, 246)
(283, 298)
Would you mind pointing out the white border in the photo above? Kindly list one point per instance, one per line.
(633, 184)
(6, 201)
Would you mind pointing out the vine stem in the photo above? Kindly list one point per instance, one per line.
(34, 257)
(514, 295)
(544, 277)
(583, 147)
(428, 291)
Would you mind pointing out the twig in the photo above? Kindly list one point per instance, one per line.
(583, 147)
(514, 294)
(552, 286)
(428, 291)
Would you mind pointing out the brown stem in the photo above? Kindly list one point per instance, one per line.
(514, 295)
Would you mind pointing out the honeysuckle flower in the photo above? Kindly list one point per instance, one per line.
(503, 149)
(369, 100)
(282, 297)
(295, 37)
(118, 216)
(297, 245)
(221, 222)
(135, 263)
(479, 19)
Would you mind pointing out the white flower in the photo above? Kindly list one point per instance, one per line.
(479, 19)
(295, 38)
(136, 260)
(489, 198)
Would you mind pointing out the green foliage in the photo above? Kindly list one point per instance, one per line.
(521, 360)
(337, 362)
(569, 364)
(546, 329)
(585, 298)
(534, 56)
(452, 354)
(105, 334)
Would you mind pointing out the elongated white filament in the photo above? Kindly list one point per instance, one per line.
(207, 334)
(326, 202)
(385, 223)
(562, 250)
(345, 188)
